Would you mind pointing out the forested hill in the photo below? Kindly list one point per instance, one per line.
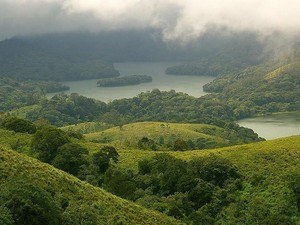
(77, 56)
(267, 88)
(22, 60)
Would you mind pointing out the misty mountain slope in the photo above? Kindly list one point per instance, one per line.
(221, 54)
(77, 56)
(261, 89)
(23, 61)
(70, 200)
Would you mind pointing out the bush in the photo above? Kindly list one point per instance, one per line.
(46, 142)
(101, 159)
(70, 157)
(5, 216)
(18, 125)
(29, 204)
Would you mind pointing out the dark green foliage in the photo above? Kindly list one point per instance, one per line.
(180, 145)
(185, 190)
(82, 215)
(5, 216)
(111, 152)
(101, 159)
(147, 143)
(70, 157)
(46, 142)
(263, 89)
(74, 134)
(213, 169)
(295, 185)
(63, 109)
(124, 81)
(120, 182)
(29, 204)
(201, 194)
(18, 125)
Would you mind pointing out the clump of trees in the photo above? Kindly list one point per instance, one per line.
(124, 81)
(54, 146)
(22, 203)
(192, 191)
(17, 124)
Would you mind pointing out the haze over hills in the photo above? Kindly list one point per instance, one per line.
(160, 156)
(76, 56)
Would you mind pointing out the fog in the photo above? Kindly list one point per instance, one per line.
(177, 19)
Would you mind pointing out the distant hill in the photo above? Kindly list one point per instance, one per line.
(77, 56)
(23, 61)
(267, 88)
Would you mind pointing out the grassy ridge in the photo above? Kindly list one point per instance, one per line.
(163, 134)
(109, 208)
(270, 169)
(248, 158)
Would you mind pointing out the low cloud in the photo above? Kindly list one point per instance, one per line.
(177, 19)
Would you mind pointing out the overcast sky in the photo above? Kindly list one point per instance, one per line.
(178, 19)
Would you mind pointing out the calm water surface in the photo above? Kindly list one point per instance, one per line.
(191, 85)
(274, 126)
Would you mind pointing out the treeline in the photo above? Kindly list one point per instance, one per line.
(200, 69)
(195, 192)
(15, 94)
(124, 81)
(257, 90)
(169, 106)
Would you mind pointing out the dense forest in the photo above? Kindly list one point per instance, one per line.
(260, 90)
(15, 94)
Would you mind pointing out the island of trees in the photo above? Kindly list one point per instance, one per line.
(124, 81)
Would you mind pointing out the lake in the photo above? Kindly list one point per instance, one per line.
(274, 126)
(269, 127)
(191, 85)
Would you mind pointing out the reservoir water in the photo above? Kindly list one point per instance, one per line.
(191, 85)
(274, 126)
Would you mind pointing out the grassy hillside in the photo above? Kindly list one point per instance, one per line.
(268, 192)
(88, 127)
(164, 135)
(270, 187)
(84, 201)
(247, 157)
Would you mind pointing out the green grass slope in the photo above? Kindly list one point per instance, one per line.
(82, 198)
(271, 175)
(88, 127)
(163, 134)
(249, 158)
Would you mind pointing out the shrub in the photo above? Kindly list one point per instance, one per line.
(46, 142)
(70, 157)
(18, 125)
